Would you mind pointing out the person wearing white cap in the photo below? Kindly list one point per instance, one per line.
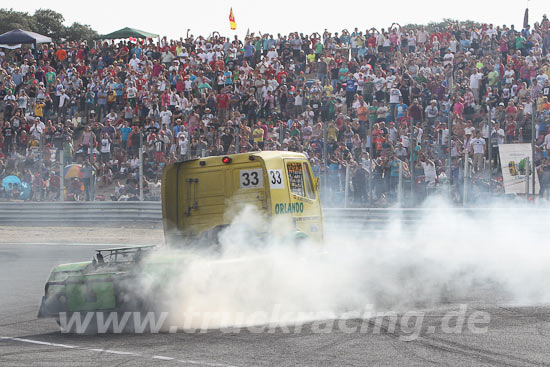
(63, 103)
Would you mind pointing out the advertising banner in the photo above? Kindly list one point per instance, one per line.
(513, 158)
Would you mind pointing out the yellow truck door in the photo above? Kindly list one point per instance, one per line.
(303, 201)
(202, 195)
(211, 195)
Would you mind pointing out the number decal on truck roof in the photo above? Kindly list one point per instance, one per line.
(251, 178)
(276, 180)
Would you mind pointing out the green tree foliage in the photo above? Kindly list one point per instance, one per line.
(47, 22)
(11, 19)
(80, 32)
(444, 24)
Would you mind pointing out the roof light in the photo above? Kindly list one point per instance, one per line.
(226, 160)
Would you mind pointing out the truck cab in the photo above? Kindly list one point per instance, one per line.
(202, 196)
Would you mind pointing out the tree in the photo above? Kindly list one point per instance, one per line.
(444, 24)
(80, 32)
(49, 22)
(11, 19)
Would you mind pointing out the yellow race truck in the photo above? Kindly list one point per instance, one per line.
(199, 197)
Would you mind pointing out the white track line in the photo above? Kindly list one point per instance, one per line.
(163, 358)
(40, 342)
(117, 352)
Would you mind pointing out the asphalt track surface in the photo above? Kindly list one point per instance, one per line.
(516, 336)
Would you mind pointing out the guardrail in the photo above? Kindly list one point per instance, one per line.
(74, 213)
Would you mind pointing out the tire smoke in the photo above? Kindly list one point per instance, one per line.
(446, 256)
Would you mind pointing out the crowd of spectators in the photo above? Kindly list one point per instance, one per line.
(365, 102)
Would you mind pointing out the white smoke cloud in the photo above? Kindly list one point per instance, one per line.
(447, 256)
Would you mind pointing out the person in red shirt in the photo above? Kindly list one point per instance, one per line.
(510, 131)
(157, 68)
(123, 53)
(270, 72)
(445, 36)
(81, 68)
(282, 76)
(223, 105)
(511, 109)
(217, 64)
(80, 54)
(435, 35)
(372, 41)
(378, 139)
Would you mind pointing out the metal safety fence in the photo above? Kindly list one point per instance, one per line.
(136, 212)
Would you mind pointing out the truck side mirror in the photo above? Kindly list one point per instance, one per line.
(317, 183)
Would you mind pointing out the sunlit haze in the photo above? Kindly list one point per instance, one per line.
(172, 19)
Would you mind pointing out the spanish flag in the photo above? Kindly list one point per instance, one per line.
(232, 23)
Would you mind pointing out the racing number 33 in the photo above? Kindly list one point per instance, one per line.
(276, 179)
(251, 178)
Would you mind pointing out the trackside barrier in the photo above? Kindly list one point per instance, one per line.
(82, 213)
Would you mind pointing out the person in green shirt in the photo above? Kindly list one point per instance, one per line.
(493, 78)
(318, 49)
(331, 107)
(258, 44)
(204, 86)
(258, 49)
(50, 76)
(294, 130)
(343, 73)
(68, 151)
(421, 78)
(368, 89)
(520, 42)
(373, 110)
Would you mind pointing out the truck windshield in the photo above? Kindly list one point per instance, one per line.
(310, 192)
(299, 179)
(295, 178)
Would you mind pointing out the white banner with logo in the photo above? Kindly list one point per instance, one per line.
(513, 159)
